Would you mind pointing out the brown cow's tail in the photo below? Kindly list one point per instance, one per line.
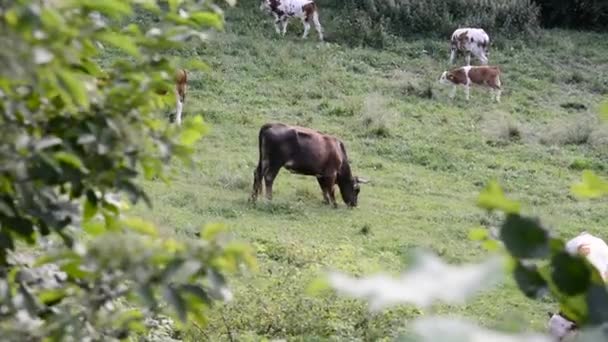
(259, 170)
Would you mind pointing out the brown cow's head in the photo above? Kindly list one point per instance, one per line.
(350, 188)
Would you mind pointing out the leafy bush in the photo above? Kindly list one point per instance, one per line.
(74, 136)
(581, 14)
(368, 20)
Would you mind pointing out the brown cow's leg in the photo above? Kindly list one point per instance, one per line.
(332, 194)
(257, 182)
(323, 186)
(327, 186)
(269, 177)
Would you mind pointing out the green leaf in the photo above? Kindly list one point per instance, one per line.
(208, 19)
(478, 234)
(529, 280)
(151, 166)
(524, 237)
(493, 198)
(29, 301)
(139, 225)
(189, 137)
(193, 131)
(70, 159)
(198, 292)
(597, 304)
(571, 274)
(128, 318)
(174, 299)
(147, 295)
(150, 5)
(120, 41)
(90, 209)
(173, 5)
(70, 82)
(591, 186)
(195, 64)
(318, 286)
(94, 228)
(73, 270)
(51, 297)
(211, 230)
(90, 68)
(111, 8)
(491, 245)
(604, 110)
(47, 142)
(51, 19)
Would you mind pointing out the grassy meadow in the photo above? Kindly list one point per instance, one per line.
(427, 158)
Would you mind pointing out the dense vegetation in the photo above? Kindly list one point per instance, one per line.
(576, 14)
(71, 140)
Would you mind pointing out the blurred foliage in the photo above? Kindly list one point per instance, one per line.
(75, 135)
(541, 265)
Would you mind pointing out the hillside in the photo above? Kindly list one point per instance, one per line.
(426, 155)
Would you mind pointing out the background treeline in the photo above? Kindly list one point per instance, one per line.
(369, 22)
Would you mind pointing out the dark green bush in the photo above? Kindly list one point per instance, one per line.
(580, 14)
(438, 18)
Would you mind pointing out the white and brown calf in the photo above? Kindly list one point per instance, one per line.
(470, 41)
(486, 76)
(181, 85)
(595, 250)
(283, 10)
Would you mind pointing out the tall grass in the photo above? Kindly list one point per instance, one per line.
(367, 22)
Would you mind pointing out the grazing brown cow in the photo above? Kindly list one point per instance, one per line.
(307, 152)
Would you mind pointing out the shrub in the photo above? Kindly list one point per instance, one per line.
(581, 14)
(359, 29)
(571, 131)
(76, 135)
(376, 117)
(437, 17)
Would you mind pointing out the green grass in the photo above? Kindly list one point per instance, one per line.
(427, 157)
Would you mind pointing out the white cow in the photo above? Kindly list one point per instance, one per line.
(470, 41)
(596, 252)
(283, 10)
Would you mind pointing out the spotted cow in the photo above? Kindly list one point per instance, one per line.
(485, 76)
(470, 41)
(283, 10)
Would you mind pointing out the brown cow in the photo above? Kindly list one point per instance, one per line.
(307, 152)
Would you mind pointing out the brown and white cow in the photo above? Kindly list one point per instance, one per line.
(486, 76)
(470, 41)
(283, 10)
(307, 152)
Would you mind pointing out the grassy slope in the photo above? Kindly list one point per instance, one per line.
(428, 158)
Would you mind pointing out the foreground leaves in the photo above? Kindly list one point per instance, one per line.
(433, 329)
(421, 285)
(78, 132)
